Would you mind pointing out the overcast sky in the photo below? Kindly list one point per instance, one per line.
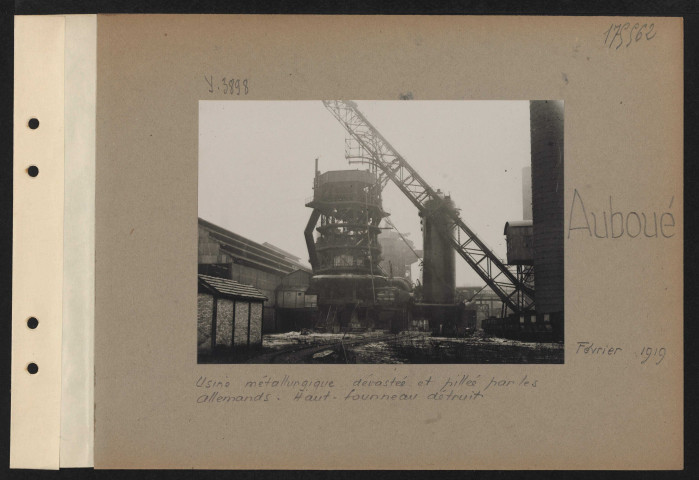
(256, 164)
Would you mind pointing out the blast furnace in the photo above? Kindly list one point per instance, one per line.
(352, 289)
(439, 271)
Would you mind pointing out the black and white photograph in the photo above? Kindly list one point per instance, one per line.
(380, 232)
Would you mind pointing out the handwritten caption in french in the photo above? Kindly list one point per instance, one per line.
(368, 388)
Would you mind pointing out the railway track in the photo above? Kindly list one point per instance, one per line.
(301, 354)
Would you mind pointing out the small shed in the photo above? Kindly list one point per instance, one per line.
(229, 315)
(520, 247)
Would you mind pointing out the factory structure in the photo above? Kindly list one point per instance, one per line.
(278, 276)
(359, 277)
(398, 253)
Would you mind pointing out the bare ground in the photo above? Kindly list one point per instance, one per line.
(403, 348)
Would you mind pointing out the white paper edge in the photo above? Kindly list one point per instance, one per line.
(77, 389)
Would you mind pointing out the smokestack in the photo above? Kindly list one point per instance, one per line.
(527, 193)
(315, 179)
(547, 146)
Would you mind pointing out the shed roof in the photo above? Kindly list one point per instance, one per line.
(230, 288)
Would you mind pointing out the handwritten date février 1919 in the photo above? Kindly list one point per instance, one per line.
(624, 34)
(648, 354)
(227, 85)
(655, 353)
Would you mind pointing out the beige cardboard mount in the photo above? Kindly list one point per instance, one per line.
(623, 93)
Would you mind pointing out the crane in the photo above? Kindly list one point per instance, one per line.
(389, 165)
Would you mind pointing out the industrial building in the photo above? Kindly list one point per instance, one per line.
(296, 305)
(487, 302)
(535, 247)
(398, 253)
(227, 255)
(360, 280)
(353, 290)
(346, 257)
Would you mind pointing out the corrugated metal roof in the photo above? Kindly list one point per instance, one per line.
(231, 288)
(239, 246)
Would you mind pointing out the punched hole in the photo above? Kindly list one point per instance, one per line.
(32, 368)
(33, 171)
(32, 323)
(33, 123)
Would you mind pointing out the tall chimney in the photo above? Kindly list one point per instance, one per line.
(527, 193)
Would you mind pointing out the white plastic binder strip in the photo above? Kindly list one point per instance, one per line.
(37, 251)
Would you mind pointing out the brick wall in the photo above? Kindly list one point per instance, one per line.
(205, 305)
(227, 332)
(224, 323)
(256, 324)
(240, 336)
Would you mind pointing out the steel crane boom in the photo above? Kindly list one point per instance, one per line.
(390, 165)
